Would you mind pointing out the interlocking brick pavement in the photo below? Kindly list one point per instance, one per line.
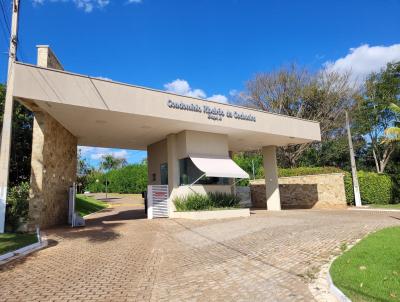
(120, 256)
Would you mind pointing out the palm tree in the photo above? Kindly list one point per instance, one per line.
(393, 133)
(108, 163)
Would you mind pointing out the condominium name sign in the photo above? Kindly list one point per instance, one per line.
(213, 113)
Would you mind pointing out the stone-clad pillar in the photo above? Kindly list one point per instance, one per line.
(53, 162)
(271, 178)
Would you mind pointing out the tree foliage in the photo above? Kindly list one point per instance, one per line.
(373, 115)
(129, 179)
(110, 162)
(21, 144)
(293, 91)
(392, 134)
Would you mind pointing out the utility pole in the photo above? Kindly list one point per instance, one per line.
(356, 187)
(7, 117)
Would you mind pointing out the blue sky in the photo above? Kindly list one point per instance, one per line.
(206, 48)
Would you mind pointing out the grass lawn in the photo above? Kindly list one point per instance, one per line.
(11, 242)
(370, 271)
(86, 205)
(386, 206)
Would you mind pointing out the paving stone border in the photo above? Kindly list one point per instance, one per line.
(373, 209)
(335, 290)
(24, 251)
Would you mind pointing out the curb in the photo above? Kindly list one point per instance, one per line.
(334, 290)
(374, 209)
(23, 251)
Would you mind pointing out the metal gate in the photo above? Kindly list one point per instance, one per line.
(157, 199)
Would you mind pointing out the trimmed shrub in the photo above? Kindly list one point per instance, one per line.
(224, 200)
(374, 188)
(204, 202)
(308, 171)
(95, 182)
(129, 179)
(287, 172)
(17, 206)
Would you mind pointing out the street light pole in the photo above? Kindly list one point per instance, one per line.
(7, 116)
(356, 187)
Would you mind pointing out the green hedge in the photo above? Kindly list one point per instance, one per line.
(129, 179)
(374, 188)
(307, 171)
(209, 201)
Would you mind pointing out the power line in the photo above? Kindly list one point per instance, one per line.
(6, 22)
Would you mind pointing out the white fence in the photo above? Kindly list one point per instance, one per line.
(73, 218)
(157, 201)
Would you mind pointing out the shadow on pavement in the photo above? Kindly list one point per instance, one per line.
(99, 228)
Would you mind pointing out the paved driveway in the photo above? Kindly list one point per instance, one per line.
(120, 256)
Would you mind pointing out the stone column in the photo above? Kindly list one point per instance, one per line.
(53, 170)
(271, 178)
(53, 162)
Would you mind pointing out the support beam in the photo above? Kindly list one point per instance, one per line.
(271, 178)
(6, 133)
(232, 181)
(173, 163)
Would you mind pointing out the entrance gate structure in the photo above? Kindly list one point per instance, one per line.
(184, 137)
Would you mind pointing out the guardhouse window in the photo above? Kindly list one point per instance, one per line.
(164, 173)
(189, 173)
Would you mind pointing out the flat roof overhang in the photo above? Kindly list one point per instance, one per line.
(104, 113)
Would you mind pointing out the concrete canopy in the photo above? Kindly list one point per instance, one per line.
(103, 113)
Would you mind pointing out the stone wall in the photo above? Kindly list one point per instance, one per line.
(54, 164)
(304, 192)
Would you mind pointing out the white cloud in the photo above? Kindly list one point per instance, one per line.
(85, 5)
(134, 1)
(233, 92)
(96, 153)
(218, 98)
(365, 59)
(103, 78)
(182, 87)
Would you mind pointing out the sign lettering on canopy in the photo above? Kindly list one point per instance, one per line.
(213, 113)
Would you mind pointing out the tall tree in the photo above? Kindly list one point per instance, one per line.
(21, 145)
(373, 115)
(294, 91)
(108, 163)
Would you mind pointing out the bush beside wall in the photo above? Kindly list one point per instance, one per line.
(203, 202)
(307, 171)
(17, 206)
(374, 188)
